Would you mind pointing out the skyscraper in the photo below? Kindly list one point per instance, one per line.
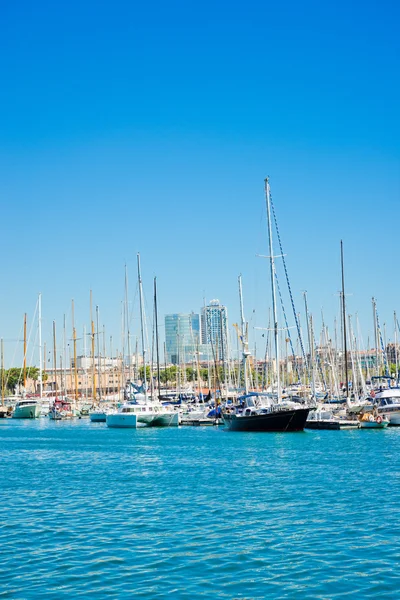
(182, 337)
(214, 329)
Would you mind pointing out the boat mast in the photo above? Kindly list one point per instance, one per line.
(25, 352)
(85, 363)
(98, 351)
(75, 366)
(92, 348)
(128, 333)
(310, 345)
(157, 345)
(40, 348)
(272, 272)
(2, 372)
(142, 327)
(346, 368)
(395, 347)
(243, 340)
(55, 359)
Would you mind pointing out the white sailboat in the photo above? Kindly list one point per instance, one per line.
(142, 409)
(26, 408)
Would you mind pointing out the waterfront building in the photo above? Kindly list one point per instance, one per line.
(214, 328)
(182, 337)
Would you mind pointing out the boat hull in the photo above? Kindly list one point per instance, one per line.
(392, 416)
(280, 421)
(31, 411)
(165, 420)
(373, 425)
(122, 420)
(98, 417)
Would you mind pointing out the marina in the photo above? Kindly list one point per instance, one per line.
(199, 332)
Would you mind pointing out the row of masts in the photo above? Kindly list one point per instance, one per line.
(310, 362)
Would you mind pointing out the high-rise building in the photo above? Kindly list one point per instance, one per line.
(182, 337)
(214, 329)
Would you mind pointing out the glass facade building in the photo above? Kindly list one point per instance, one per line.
(182, 337)
(214, 329)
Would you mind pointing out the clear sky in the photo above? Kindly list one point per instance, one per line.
(132, 127)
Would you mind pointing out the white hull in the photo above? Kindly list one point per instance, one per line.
(392, 416)
(29, 411)
(122, 420)
(165, 420)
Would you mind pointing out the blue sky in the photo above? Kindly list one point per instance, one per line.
(128, 128)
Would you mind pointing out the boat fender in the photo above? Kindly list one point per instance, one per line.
(379, 420)
(371, 419)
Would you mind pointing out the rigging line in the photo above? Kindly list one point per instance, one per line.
(287, 326)
(289, 288)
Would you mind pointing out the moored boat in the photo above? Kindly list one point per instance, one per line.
(326, 419)
(98, 415)
(125, 417)
(372, 421)
(61, 410)
(388, 404)
(260, 413)
(27, 408)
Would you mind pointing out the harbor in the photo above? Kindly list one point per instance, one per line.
(199, 307)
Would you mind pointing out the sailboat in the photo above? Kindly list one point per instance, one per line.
(142, 408)
(26, 408)
(257, 411)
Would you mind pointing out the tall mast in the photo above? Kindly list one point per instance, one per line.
(310, 346)
(272, 272)
(85, 363)
(243, 336)
(74, 340)
(64, 354)
(142, 326)
(2, 372)
(98, 351)
(395, 347)
(55, 358)
(92, 349)
(128, 333)
(346, 368)
(40, 347)
(376, 337)
(157, 345)
(25, 351)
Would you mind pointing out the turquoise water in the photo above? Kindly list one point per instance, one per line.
(89, 512)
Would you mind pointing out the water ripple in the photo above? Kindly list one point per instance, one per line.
(89, 512)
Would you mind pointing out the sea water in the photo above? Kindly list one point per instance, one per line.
(91, 512)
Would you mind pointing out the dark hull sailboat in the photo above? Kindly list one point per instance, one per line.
(274, 421)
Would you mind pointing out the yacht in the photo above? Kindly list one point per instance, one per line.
(154, 414)
(387, 402)
(262, 413)
(125, 417)
(27, 408)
